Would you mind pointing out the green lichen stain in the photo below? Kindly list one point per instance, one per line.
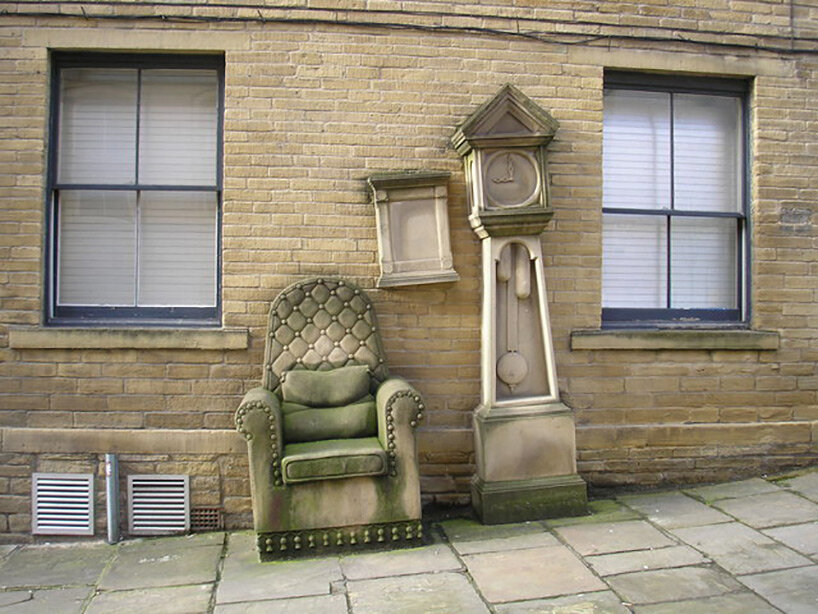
(600, 510)
(463, 529)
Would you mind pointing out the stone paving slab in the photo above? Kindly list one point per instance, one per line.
(7, 549)
(534, 540)
(800, 537)
(441, 593)
(325, 604)
(467, 530)
(245, 579)
(734, 603)
(176, 542)
(740, 549)
(240, 543)
(731, 490)
(64, 564)
(613, 537)
(604, 602)
(466, 538)
(429, 559)
(470, 537)
(806, 485)
(674, 509)
(770, 510)
(56, 600)
(164, 600)
(533, 573)
(672, 584)
(601, 510)
(641, 560)
(164, 562)
(794, 591)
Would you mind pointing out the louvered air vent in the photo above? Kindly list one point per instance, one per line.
(158, 504)
(62, 504)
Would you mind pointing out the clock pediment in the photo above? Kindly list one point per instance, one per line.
(510, 117)
(508, 124)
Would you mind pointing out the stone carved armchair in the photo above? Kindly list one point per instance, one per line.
(330, 436)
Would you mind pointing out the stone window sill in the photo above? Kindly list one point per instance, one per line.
(127, 338)
(674, 340)
(120, 441)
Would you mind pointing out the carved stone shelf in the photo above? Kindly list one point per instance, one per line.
(413, 228)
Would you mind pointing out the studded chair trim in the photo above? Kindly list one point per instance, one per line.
(321, 324)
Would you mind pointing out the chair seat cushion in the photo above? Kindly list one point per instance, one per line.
(331, 459)
(304, 423)
(332, 388)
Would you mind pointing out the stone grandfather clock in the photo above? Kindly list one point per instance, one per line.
(524, 436)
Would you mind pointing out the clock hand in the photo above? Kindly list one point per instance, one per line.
(509, 176)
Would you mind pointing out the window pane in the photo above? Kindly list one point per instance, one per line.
(707, 152)
(177, 249)
(97, 136)
(634, 270)
(636, 150)
(178, 126)
(97, 241)
(703, 263)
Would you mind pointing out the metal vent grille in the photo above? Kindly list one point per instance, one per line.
(158, 504)
(203, 519)
(62, 504)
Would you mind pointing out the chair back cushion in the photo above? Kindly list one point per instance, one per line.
(304, 423)
(332, 404)
(333, 388)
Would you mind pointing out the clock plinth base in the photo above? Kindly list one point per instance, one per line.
(526, 464)
(525, 500)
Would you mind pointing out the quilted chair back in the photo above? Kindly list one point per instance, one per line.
(322, 324)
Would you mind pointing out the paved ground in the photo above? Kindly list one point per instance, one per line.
(748, 547)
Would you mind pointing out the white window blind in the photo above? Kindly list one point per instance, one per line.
(97, 255)
(634, 269)
(136, 187)
(177, 249)
(177, 127)
(703, 263)
(665, 156)
(97, 137)
(636, 150)
(706, 152)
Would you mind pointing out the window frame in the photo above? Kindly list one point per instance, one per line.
(668, 317)
(56, 314)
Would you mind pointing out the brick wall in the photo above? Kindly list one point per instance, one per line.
(320, 96)
(216, 481)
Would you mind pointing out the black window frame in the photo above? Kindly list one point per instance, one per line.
(61, 315)
(739, 317)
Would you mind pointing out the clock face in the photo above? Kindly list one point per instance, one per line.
(511, 178)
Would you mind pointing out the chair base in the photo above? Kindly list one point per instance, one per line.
(277, 546)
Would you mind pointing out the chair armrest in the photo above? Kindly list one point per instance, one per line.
(399, 409)
(259, 419)
(399, 397)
